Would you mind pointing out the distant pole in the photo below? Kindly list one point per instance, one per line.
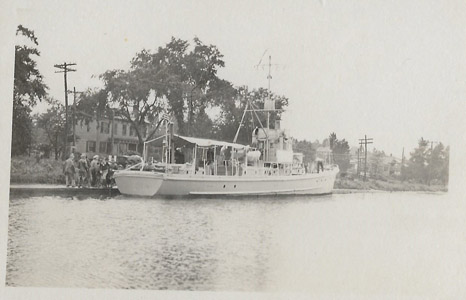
(112, 137)
(64, 69)
(74, 116)
(364, 142)
(365, 157)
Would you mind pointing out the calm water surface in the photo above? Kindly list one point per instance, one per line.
(376, 243)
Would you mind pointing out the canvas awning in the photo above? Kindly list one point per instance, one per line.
(181, 141)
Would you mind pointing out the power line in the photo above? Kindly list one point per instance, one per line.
(64, 68)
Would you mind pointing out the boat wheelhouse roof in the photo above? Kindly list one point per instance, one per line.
(205, 142)
(180, 141)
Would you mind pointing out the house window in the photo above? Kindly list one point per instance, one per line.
(105, 127)
(109, 148)
(115, 128)
(122, 148)
(144, 132)
(90, 146)
(132, 131)
(124, 129)
(132, 147)
(88, 127)
(103, 147)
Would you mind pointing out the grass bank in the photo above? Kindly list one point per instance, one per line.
(28, 170)
(25, 169)
(386, 185)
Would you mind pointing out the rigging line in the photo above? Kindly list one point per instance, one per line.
(260, 61)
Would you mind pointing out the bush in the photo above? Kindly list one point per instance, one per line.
(26, 169)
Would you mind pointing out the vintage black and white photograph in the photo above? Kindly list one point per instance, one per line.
(239, 149)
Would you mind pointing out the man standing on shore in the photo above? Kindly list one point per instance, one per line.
(95, 169)
(69, 171)
(83, 169)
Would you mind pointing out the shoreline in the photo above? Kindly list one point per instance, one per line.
(386, 185)
(28, 190)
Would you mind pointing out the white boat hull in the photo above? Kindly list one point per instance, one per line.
(144, 183)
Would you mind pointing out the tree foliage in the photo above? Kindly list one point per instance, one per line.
(376, 162)
(181, 79)
(53, 123)
(194, 68)
(174, 79)
(29, 88)
(428, 163)
(307, 148)
(341, 152)
(232, 105)
(93, 104)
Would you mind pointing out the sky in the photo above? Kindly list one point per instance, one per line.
(392, 70)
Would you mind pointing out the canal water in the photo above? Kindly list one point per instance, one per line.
(409, 244)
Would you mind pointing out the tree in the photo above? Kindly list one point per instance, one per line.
(305, 148)
(29, 88)
(340, 151)
(138, 94)
(376, 162)
(417, 165)
(332, 139)
(428, 163)
(232, 106)
(53, 123)
(444, 171)
(438, 164)
(173, 79)
(197, 85)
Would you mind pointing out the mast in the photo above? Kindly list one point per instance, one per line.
(269, 77)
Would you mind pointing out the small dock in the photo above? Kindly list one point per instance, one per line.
(38, 190)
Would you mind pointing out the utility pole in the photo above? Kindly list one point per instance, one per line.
(65, 69)
(364, 142)
(74, 113)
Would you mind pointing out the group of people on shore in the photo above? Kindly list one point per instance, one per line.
(84, 172)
